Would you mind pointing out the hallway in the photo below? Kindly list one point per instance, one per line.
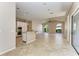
(45, 45)
(39, 29)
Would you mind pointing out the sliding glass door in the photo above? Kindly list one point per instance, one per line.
(75, 31)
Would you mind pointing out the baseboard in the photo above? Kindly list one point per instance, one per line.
(6, 51)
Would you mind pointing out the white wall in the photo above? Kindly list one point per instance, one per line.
(7, 26)
(37, 26)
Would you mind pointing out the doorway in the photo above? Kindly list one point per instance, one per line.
(59, 28)
(45, 28)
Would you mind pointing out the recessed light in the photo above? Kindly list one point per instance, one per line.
(44, 3)
(51, 12)
(48, 9)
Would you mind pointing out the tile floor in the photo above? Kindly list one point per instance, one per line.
(45, 45)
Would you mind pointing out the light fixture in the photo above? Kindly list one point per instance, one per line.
(51, 12)
(48, 9)
(44, 3)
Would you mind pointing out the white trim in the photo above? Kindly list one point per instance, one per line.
(74, 12)
(70, 18)
(6, 51)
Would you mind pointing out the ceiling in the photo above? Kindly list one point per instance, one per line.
(41, 11)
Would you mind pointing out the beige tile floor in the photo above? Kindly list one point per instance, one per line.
(45, 45)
